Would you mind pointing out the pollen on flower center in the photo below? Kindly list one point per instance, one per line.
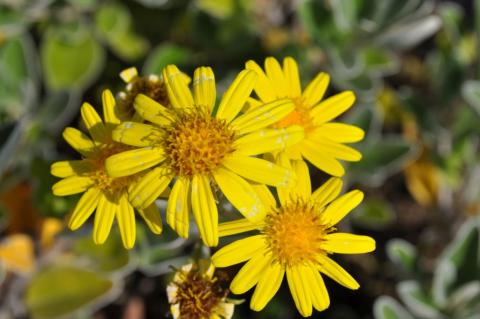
(198, 295)
(294, 233)
(99, 175)
(197, 143)
(299, 116)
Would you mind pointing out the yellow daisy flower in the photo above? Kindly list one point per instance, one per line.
(109, 196)
(198, 147)
(196, 293)
(295, 238)
(323, 144)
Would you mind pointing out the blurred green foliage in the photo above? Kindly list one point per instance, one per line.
(454, 291)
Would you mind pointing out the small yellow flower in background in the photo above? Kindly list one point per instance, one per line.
(109, 196)
(201, 148)
(152, 86)
(295, 238)
(17, 254)
(196, 293)
(323, 144)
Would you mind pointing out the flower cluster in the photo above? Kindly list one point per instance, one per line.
(167, 135)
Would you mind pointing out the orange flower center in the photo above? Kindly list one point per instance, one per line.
(299, 116)
(197, 143)
(294, 233)
(198, 295)
(108, 184)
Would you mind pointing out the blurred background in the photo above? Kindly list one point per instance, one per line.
(414, 66)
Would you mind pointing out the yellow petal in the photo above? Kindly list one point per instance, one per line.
(204, 92)
(17, 253)
(263, 86)
(290, 69)
(317, 288)
(126, 222)
(268, 140)
(178, 91)
(284, 194)
(337, 150)
(70, 168)
(250, 273)
(259, 170)
(107, 206)
(151, 110)
(178, 207)
(94, 124)
(236, 227)
(322, 161)
(109, 111)
(316, 89)
(252, 103)
(205, 210)
(299, 290)
(152, 218)
(238, 251)
(236, 95)
(344, 243)
(339, 132)
(332, 107)
(336, 272)
(275, 74)
(79, 141)
(340, 207)
(149, 187)
(129, 74)
(328, 191)
(265, 195)
(263, 116)
(84, 208)
(267, 286)
(134, 161)
(136, 134)
(72, 185)
(224, 310)
(302, 188)
(240, 194)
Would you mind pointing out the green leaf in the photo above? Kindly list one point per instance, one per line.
(382, 159)
(417, 302)
(110, 256)
(463, 254)
(12, 61)
(71, 57)
(112, 20)
(164, 55)
(402, 253)
(2, 272)
(408, 35)
(60, 290)
(345, 14)
(374, 213)
(380, 62)
(471, 94)
(220, 9)
(388, 308)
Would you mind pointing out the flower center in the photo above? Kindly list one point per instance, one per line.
(198, 295)
(197, 143)
(99, 175)
(152, 86)
(299, 116)
(294, 233)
